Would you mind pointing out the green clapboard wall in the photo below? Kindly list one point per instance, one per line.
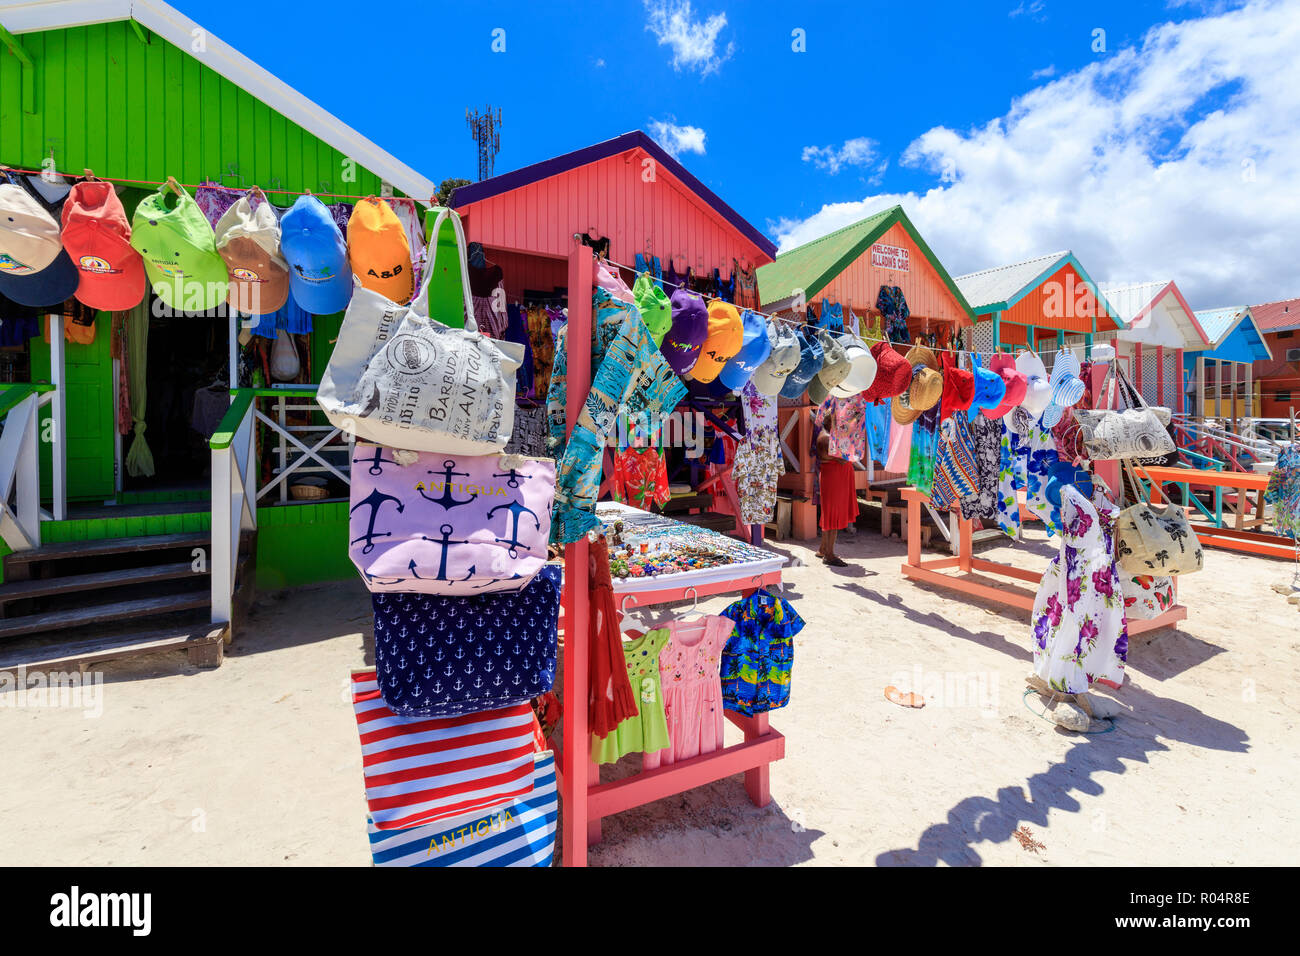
(128, 109)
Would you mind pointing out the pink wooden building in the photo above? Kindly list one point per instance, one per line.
(626, 189)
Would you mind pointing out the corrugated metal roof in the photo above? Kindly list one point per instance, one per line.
(1219, 323)
(804, 266)
(1130, 301)
(812, 266)
(1004, 283)
(1280, 316)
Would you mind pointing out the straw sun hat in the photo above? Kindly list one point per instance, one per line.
(925, 389)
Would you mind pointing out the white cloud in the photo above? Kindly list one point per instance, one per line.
(1175, 159)
(1032, 9)
(677, 139)
(1045, 73)
(859, 151)
(694, 42)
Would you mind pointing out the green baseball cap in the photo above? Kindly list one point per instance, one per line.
(179, 250)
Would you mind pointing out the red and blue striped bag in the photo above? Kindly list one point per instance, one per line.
(421, 770)
(521, 833)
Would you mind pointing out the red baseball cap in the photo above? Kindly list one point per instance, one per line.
(1016, 381)
(97, 237)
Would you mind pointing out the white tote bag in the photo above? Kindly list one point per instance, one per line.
(401, 378)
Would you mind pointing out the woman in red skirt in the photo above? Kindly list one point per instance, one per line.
(838, 493)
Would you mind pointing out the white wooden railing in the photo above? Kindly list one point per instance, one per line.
(236, 491)
(20, 465)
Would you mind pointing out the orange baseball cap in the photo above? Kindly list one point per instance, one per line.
(726, 335)
(379, 251)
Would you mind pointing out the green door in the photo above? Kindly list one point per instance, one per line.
(89, 382)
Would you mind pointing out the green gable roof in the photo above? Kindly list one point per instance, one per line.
(812, 266)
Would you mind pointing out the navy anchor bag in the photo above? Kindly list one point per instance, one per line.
(448, 656)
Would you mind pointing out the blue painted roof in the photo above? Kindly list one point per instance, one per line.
(1234, 334)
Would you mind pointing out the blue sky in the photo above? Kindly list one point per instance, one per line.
(1000, 127)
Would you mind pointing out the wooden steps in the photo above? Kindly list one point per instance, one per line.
(40, 587)
(86, 601)
(106, 546)
(205, 645)
(45, 621)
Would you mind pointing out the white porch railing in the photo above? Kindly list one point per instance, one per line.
(236, 473)
(20, 465)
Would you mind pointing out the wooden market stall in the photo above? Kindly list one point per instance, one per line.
(1224, 375)
(1159, 330)
(849, 268)
(126, 90)
(629, 199)
(585, 799)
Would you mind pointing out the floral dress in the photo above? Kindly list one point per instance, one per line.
(1079, 629)
(1028, 455)
(982, 504)
(689, 673)
(848, 426)
(759, 464)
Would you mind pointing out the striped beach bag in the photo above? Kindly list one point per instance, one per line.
(521, 833)
(422, 770)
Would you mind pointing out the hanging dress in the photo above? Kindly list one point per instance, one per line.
(646, 731)
(1079, 630)
(690, 677)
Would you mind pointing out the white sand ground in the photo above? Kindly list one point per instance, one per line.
(257, 762)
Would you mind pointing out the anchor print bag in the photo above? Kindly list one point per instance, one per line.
(449, 656)
(449, 524)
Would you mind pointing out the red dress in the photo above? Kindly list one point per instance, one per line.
(839, 495)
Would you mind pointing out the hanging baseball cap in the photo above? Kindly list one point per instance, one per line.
(320, 278)
(726, 335)
(1038, 391)
(755, 347)
(835, 368)
(810, 363)
(180, 255)
(781, 361)
(652, 302)
(379, 250)
(923, 391)
(989, 388)
(97, 238)
(1067, 387)
(862, 369)
(893, 374)
(29, 235)
(1015, 381)
(248, 241)
(690, 326)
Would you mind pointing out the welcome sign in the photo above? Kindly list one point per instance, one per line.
(890, 257)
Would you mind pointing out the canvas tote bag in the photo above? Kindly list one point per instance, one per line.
(403, 378)
(1109, 435)
(1156, 540)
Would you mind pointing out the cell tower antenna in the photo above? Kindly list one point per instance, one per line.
(484, 127)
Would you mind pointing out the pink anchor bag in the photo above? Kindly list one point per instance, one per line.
(448, 524)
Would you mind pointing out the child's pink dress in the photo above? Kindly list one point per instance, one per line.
(689, 672)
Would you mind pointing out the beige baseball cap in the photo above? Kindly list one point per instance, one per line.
(248, 241)
(29, 236)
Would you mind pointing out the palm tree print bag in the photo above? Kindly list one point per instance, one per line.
(1156, 540)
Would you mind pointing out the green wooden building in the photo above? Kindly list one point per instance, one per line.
(135, 91)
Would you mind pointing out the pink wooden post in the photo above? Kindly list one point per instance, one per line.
(575, 760)
(1137, 366)
(1179, 398)
(1160, 375)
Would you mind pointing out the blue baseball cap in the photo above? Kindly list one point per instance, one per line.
(320, 277)
(755, 347)
(52, 286)
(810, 363)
